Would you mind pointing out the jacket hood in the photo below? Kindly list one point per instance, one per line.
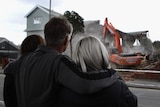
(88, 82)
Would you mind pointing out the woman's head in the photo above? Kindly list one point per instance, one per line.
(91, 54)
(30, 43)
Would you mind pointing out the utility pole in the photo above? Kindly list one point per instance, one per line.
(50, 2)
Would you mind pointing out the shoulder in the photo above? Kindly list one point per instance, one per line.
(13, 65)
(66, 59)
(10, 68)
(128, 96)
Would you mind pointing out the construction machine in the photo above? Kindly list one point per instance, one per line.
(117, 58)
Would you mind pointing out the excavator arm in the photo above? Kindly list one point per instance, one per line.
(119, 60)
(114, 32)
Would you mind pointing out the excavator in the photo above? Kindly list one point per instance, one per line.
(117, 58)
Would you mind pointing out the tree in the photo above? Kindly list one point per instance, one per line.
(76, 20)
(78, 24)
(147, 44)
(156, 45)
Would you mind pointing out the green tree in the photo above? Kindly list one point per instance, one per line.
(78, 24)
(156, 45)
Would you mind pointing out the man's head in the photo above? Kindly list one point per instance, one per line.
(57, 33)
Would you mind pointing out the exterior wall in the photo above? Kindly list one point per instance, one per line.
(37, 13)
(39, 32)
(32, 28)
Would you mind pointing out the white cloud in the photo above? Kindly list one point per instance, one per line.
(13, 22)
(125, 15)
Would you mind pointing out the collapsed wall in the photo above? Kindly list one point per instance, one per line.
(137, 42)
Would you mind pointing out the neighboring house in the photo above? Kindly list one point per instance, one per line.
(8, 49)
(37, 18)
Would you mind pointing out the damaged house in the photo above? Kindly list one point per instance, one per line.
(131, 42)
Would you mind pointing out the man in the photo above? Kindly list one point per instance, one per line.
(40, 75)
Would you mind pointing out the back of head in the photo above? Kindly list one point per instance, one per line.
(30, 43)
(91, 54)
(56, 30)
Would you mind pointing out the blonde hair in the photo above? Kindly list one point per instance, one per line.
(91, 54)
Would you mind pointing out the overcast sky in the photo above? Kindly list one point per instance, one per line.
(125, 15)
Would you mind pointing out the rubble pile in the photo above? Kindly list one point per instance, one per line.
(149, 65)
(157, 66)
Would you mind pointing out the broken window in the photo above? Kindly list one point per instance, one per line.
(37, 20)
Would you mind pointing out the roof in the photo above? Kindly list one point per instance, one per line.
(43, 9)
(138, 33)
(133, 34)
(92, 22)
(2, 39)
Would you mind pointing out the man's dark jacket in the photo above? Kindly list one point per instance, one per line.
(38, 77)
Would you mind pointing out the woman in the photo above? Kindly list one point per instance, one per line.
(28, 45)
(92, 56)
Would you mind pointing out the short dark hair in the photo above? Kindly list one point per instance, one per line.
(30, 43)
(56, 29)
